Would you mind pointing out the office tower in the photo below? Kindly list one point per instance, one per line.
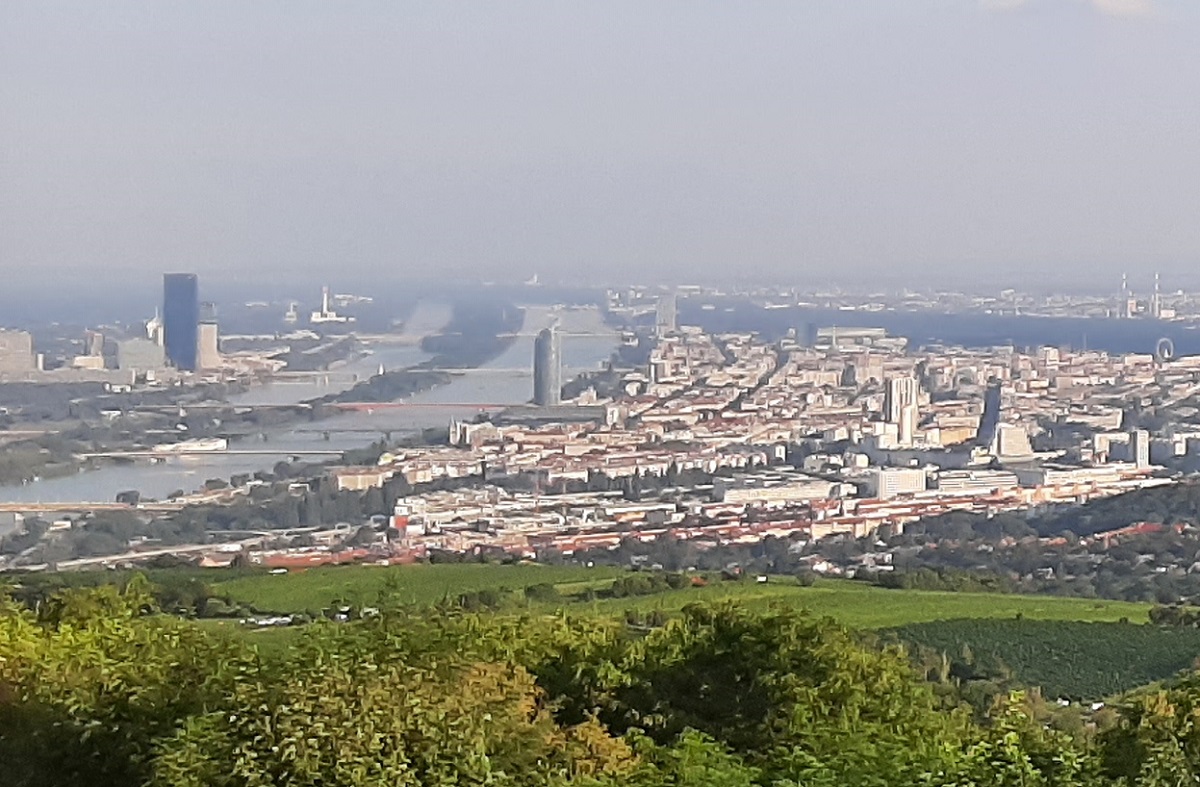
(208, 353)
(1139, 447)
(181, 319)
(16, 352)
(900, 406)
(665, 313)
(93, 343)
(547, 368)
(989, 421)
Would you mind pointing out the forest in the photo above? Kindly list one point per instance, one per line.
(98, 687)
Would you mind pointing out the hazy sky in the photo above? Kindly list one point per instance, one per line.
(789, 141)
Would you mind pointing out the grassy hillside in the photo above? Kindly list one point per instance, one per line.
(865, 606)
(851, 603)
(318, 588)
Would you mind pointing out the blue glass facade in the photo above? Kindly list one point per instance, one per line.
(181, 319)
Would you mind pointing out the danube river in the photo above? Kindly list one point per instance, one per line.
(509, 381)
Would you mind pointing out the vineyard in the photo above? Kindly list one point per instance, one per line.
(1066, 659)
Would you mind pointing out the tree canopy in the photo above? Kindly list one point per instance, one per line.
(97, 687)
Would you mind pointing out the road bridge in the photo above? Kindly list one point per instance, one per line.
(242, 408)
(403, 405)
(202, 452)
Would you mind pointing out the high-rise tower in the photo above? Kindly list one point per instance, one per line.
(665, 313)
(900, 406)
(181, 319)
(989, 421)
(547, 368)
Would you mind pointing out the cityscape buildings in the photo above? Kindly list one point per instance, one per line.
(181, 319)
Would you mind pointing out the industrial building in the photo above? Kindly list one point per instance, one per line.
(974, 482)
(772, 489)
(886, 482)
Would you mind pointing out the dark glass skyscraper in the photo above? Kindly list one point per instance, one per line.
(989, 421)
(547, 368)
(181, 319)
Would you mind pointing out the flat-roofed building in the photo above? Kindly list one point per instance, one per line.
(16, 352)
(888, 482)
(140, 355)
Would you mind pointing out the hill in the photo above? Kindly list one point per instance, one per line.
(852, 603)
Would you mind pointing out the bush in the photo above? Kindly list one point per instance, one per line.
(543, 591)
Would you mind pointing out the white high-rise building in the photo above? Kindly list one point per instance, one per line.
(208, 353)
(1139, 447)
(900, 407)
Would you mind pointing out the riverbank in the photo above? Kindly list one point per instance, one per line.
(509, 381)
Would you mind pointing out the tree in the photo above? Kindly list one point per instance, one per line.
(763, 684)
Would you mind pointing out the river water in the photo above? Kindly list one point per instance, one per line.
(346, 431)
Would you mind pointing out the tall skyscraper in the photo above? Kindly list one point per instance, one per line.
(547, 368)
(989, 421)
(665, 313)
(900, 406)
(181, 319)
(1139, 447)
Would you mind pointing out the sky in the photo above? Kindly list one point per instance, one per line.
(797, 142)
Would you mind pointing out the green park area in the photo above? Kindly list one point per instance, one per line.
(853, 604)
(1069, 647)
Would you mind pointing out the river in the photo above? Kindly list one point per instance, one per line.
(342, 432)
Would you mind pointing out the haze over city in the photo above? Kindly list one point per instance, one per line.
(662, 142)
(607, 394)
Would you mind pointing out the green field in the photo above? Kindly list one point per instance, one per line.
(858, 605)
(852, 603)
(421, 584)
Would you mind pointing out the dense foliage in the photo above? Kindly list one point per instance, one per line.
(1087, 661)
(98, 688)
